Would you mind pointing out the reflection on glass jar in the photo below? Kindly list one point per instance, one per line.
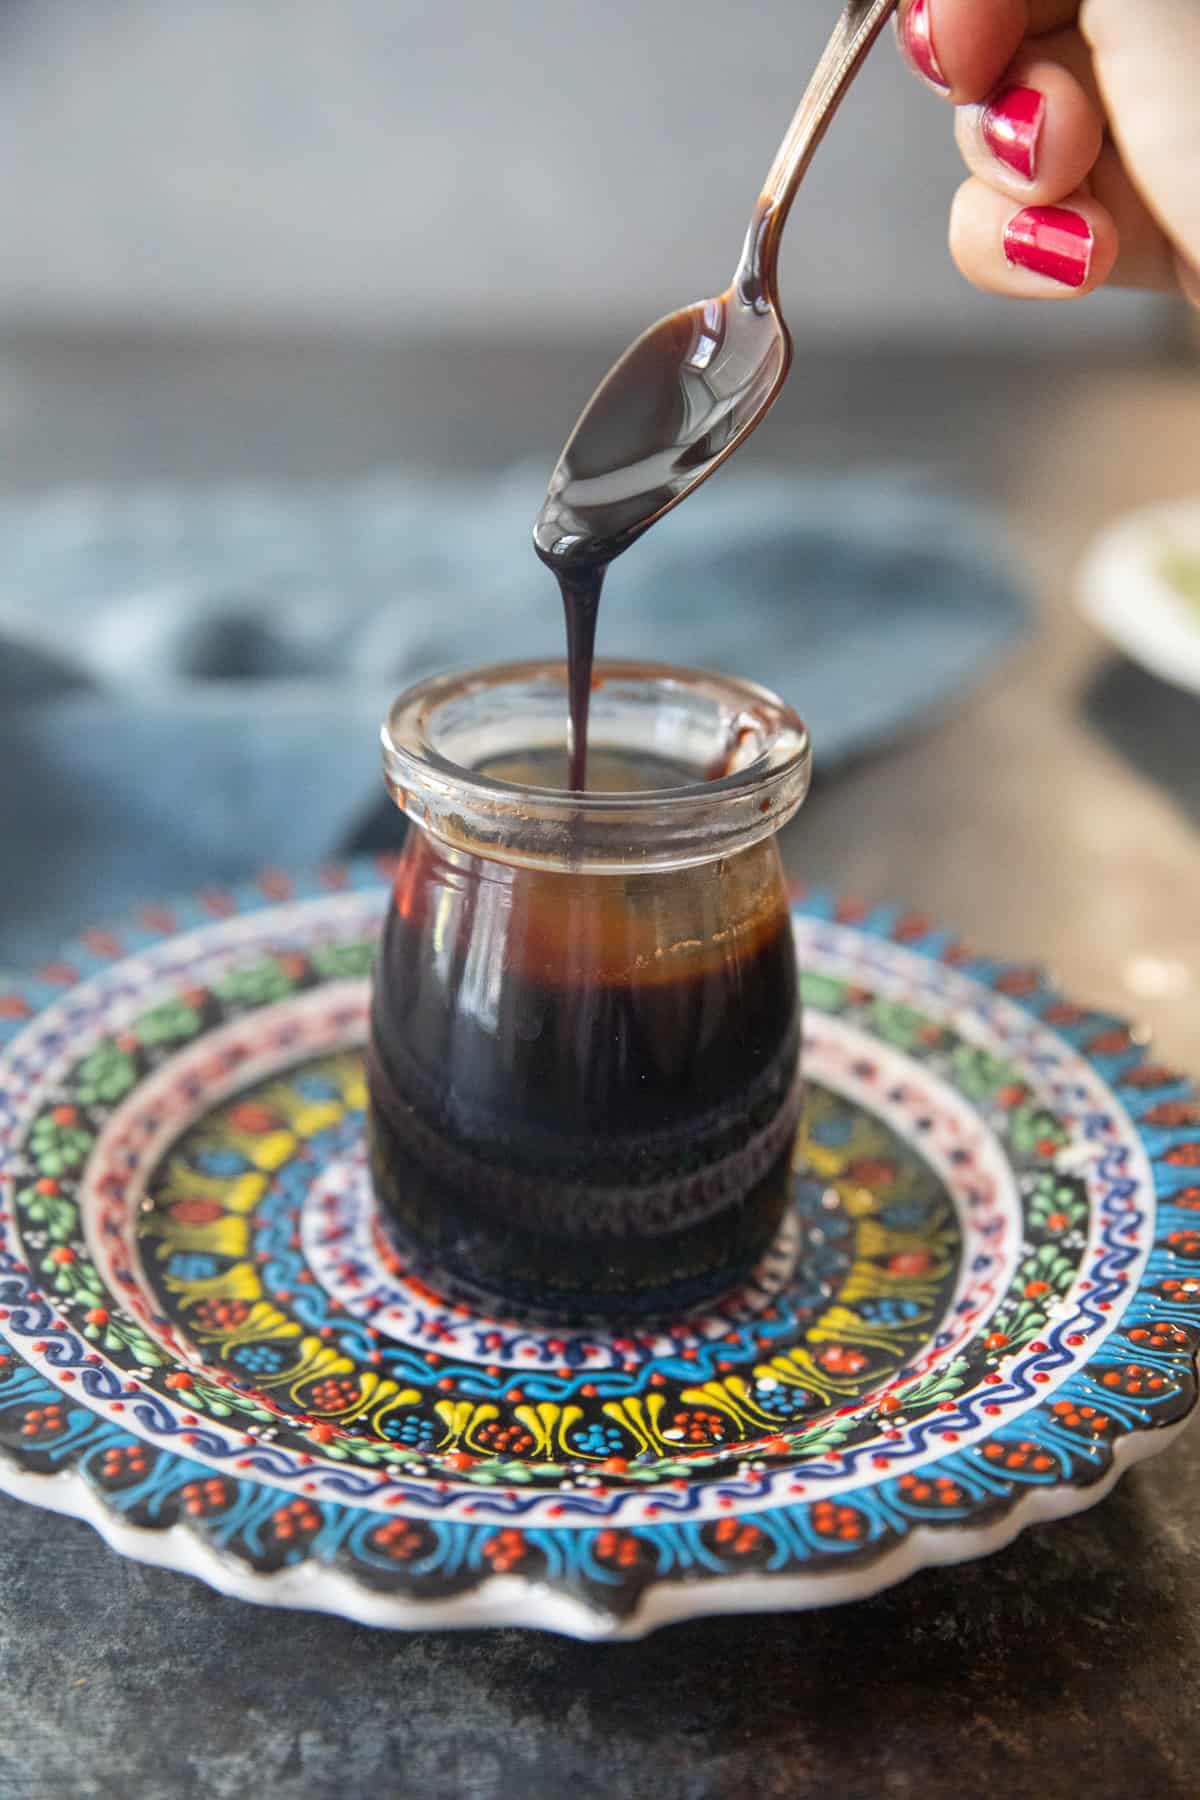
(585, 1027)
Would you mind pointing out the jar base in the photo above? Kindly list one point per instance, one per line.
(591, 1277)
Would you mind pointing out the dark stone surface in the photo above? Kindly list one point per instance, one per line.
(1063, 1665)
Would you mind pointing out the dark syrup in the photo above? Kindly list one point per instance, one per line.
(581, 603)
(561, 1117)
(665, 415)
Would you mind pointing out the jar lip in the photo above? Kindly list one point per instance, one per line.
(405, 732)
(431, 786)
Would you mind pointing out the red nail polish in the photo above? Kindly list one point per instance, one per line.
(1051, 241)
(918, 41)
(1012, 125)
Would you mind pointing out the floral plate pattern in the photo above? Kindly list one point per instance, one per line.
(985, 1303)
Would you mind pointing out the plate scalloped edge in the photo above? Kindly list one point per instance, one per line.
(1169, 1128)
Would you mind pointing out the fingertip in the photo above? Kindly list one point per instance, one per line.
(1058, 252)
(914, 28)
(1037, 135)
(961, 48)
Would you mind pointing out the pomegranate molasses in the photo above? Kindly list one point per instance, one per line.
(585, 1025)
(657, 422)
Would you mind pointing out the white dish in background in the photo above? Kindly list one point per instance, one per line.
(1125, 585)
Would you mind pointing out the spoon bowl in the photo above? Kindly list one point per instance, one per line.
(682, 397)
(692, 387)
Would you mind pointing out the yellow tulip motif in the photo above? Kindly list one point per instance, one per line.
(263, 1321)
(732, 1398)
(641, 1419)
(462, 1419)
(239, 1282)
(550, 1426)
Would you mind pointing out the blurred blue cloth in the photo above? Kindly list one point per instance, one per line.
(191, 683)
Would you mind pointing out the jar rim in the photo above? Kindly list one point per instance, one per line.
(555, 827)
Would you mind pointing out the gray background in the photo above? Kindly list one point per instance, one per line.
(405, 163)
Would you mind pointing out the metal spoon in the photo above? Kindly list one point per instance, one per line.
(687, 392)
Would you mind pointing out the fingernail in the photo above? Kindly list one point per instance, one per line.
(1051, 241)
(1012, 125)
(918, 41)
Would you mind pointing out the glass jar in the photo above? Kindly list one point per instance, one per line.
(583, 1066)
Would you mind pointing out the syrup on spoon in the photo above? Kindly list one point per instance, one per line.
(686, 393)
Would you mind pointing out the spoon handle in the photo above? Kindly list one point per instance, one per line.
(855, 32)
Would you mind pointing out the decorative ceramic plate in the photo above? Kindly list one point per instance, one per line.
(984, 1305)
(1140, 584)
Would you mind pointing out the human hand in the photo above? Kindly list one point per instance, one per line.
(1080, 123)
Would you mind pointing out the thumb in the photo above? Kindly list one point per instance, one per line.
(1147, 60)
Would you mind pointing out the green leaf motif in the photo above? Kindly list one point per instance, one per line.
(1056, 1206)
(356, 1450)
(167, 1022)
(938, 1385)
(58, 1148)
(207, 1396)
(106, 1075)
(54, 1212)
(898, 1024)
(343, 962)
(123, 1334)
(826, 1436)
(1034, 1131)
(822, 992)
(1044, 1274)
(1049, 1264)
(978, 1075)
(77, 1281)
(259, 985)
